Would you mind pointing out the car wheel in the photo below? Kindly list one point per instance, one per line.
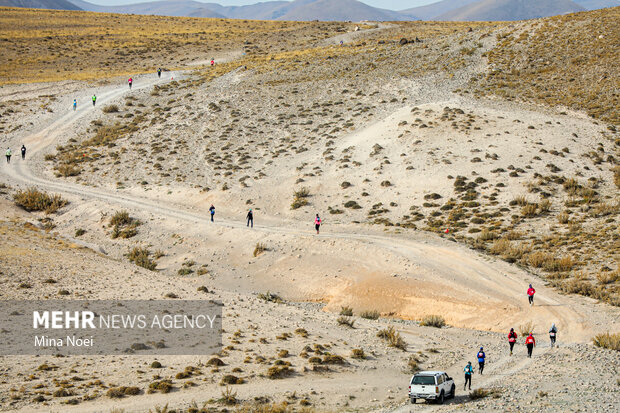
(441, 398)
(453, 392)
(412, 401)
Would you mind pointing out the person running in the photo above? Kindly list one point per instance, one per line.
(481, 357)
(212, 62)
(74, 104)
(130, 81)
(512, 339)
(23, 152)
(553, 332)
(212, 211)
(8, 155)
(317, 223)
(530, 342)
(530, 294)
(250, 218)
(159, 72)
(94, 100)
(469, 370)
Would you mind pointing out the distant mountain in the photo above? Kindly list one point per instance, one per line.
(507, 10)
(158, 8)
(300, 10)
(430, 11)
(597, 4)
(258, 11)
(335, 10)
(40, 4)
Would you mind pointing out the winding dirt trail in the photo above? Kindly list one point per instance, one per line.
(495, 290)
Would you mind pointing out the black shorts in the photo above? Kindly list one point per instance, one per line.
(317, 226)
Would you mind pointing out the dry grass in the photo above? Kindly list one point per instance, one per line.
(607, 340)
(51, 45)
(34, 200)
(575, 63)
(433, 321)
(393, 338)
(259, 249)
(526, 328)
(141, 257)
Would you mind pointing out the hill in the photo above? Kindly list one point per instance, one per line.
(334, 10)
(178, 8)
(40, 4)
(508, 10)
(432, 10)
(597, 4)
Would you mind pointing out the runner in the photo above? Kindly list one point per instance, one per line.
(8, 155)
(530, 342)
(94, 100)
(317, 223)
(481, 357)
(212, 62)
(512, 339)
(250, 218)
(469, 370)
(530, 295)
(159, 72)
(212, 211)
(130, 81)
(74, 104)
(23, 152)
(553, 332)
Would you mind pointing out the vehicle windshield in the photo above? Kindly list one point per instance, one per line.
(423, 380)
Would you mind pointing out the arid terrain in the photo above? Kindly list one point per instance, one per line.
(451, 169)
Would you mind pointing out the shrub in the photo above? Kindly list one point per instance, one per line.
(616, 171)
(433, 321)
(342, 320)
(348, 311)
(393, 338)
(79, 232)
(269, 297)
(608, 341)
(119, 392)
(110, 109)
(259, 249)
(559, 264)
(478, 394)
(370, 315)
(608, 277)
(279, 372)
(300, 198)
(358, 353)
(156, 365)
(62, 392)
(162, 386)
(526, 329)
(141, 257)
(231, 379)
(333, 359)
(215, 362)
(413, 363)
(529, 210)
(352, 205)
(34, 200)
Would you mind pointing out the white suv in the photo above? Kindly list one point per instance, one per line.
(431, 385)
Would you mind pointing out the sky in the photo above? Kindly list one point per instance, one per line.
(384, 4)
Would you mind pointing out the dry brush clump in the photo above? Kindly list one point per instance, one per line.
(142, 258)
(436, 321)
(34, 200)
(392, 338)
(609, 341)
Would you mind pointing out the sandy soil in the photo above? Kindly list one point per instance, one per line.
(403, 273)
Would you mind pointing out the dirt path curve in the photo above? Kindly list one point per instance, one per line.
(447, 265)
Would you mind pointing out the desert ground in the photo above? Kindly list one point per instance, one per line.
(449, 173)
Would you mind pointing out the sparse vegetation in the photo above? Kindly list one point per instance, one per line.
(433, 321)
(609, 341)
(34, 200)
